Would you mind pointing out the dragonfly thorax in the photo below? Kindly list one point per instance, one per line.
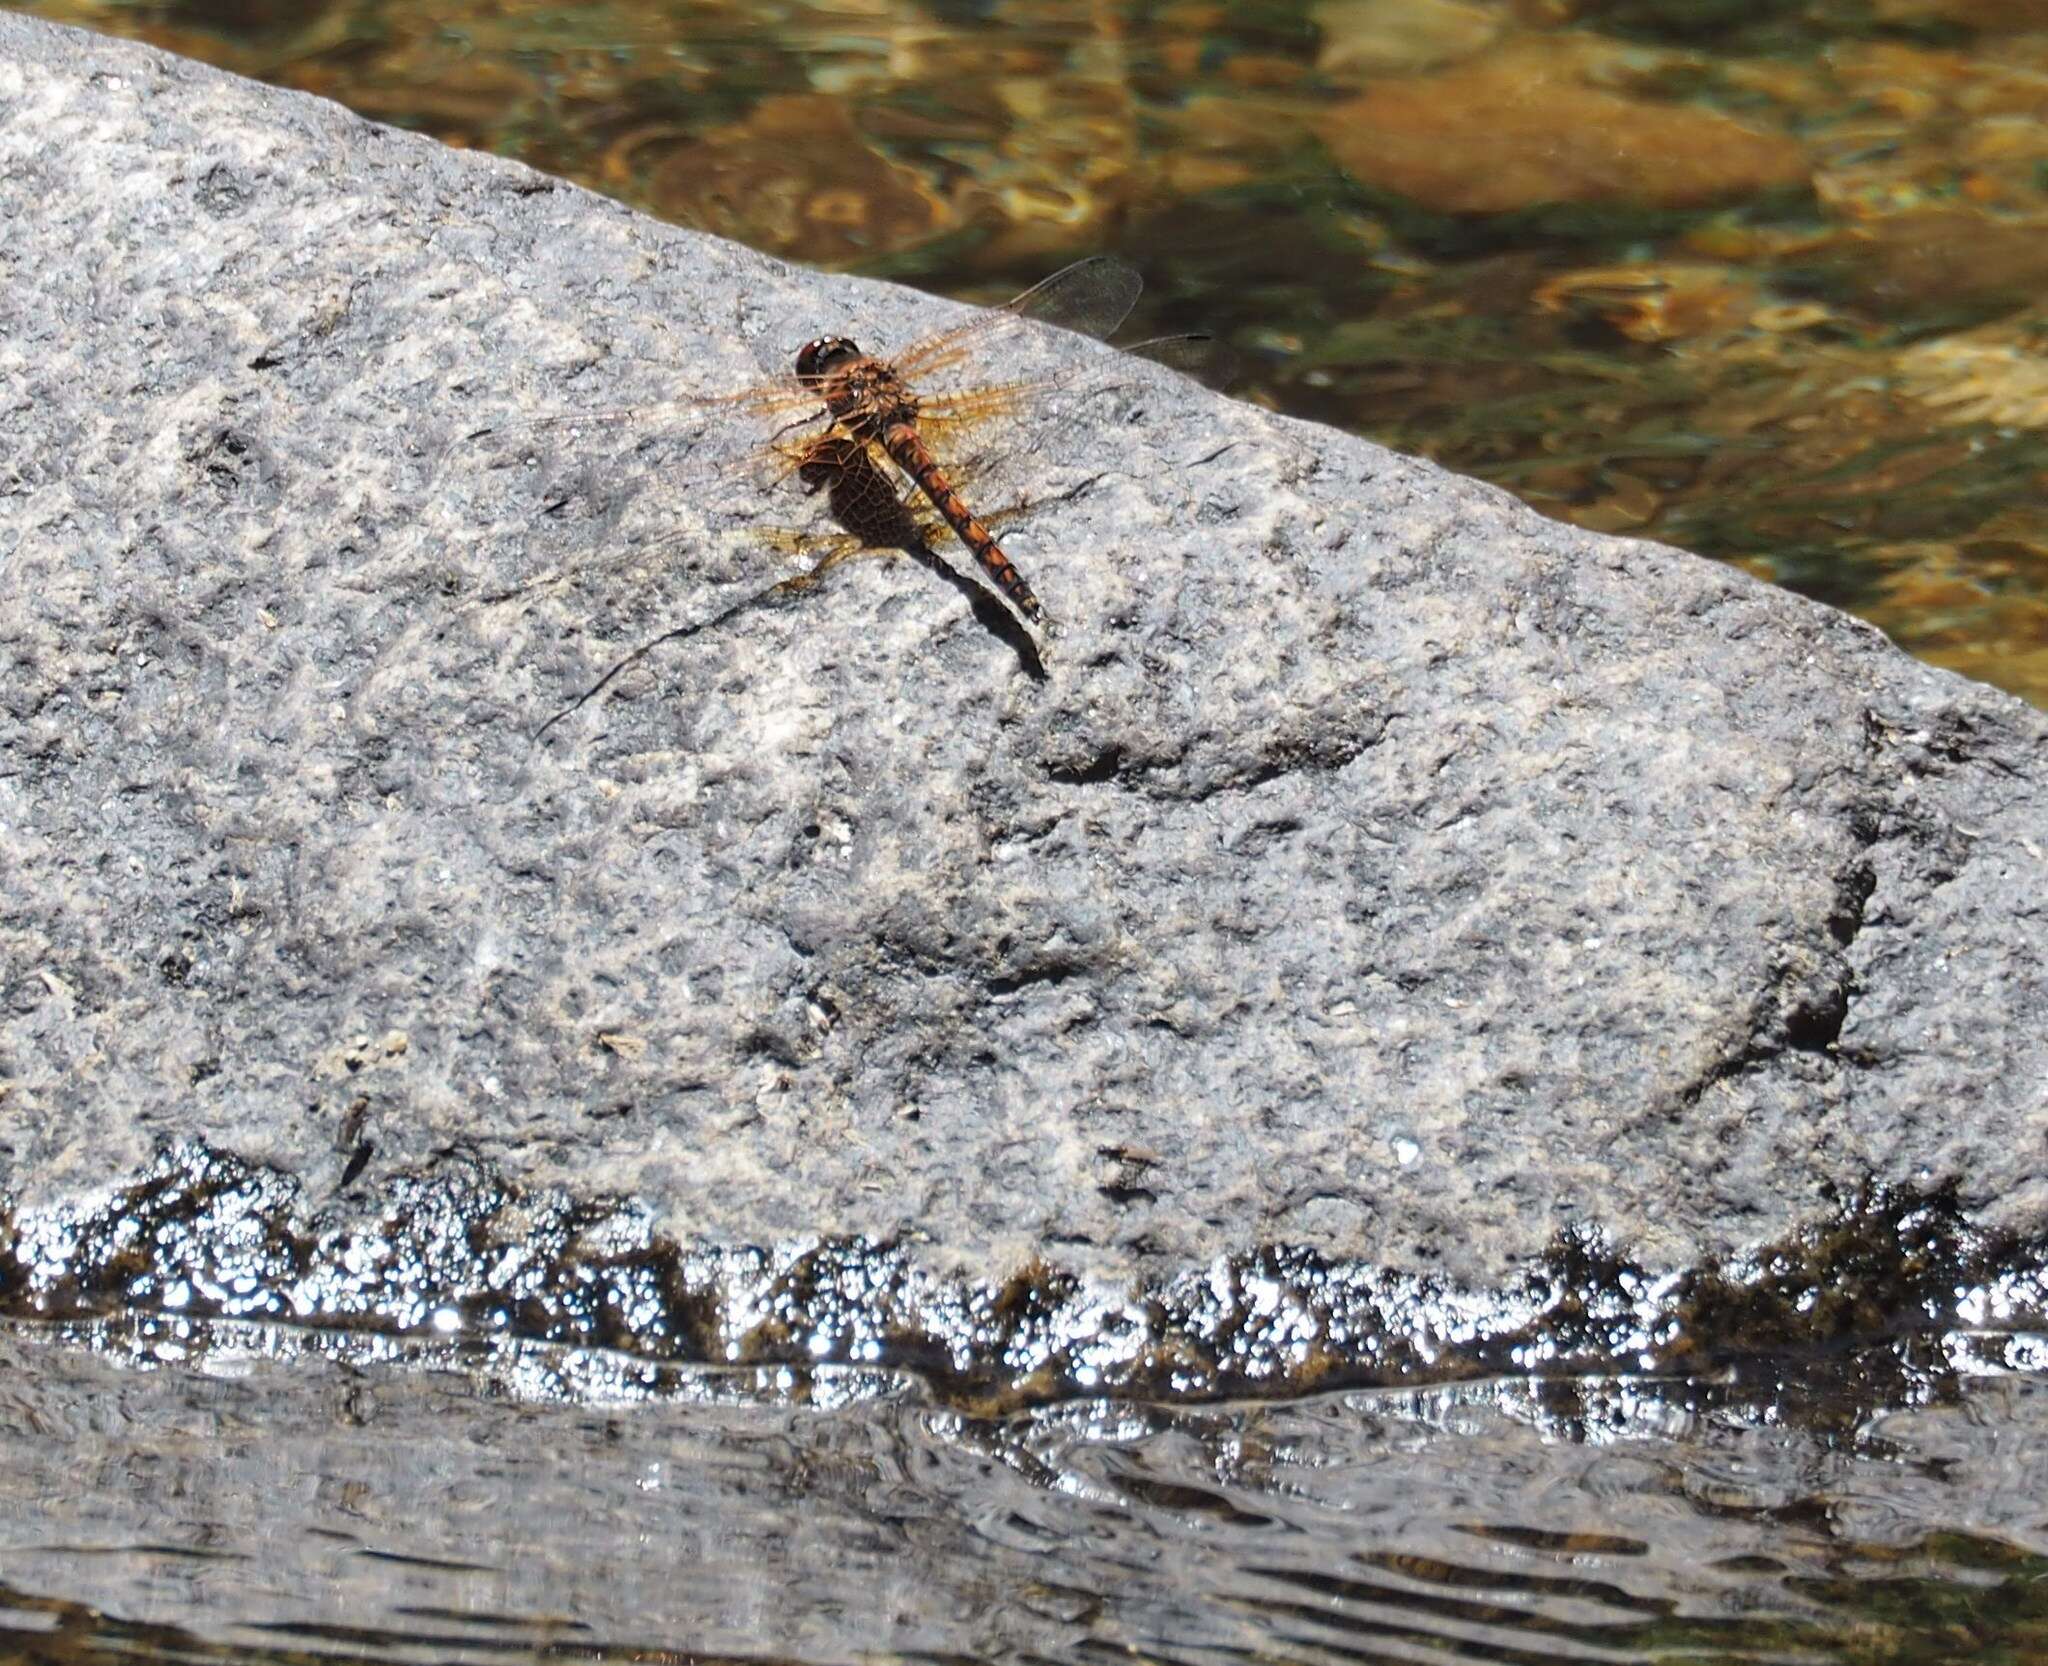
(863, 394)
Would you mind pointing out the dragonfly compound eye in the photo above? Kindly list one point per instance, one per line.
(819, 358)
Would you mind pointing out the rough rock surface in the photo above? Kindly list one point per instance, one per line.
(1377, 864)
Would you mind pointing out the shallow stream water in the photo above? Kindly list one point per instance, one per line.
(455, 1421)
(284, 1498)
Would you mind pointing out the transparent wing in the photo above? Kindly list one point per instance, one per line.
(743, 415)
(1091, 297)
(658, 525)
(999, 440)
(817, 499)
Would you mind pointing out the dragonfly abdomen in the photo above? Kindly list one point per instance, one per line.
(908, 451)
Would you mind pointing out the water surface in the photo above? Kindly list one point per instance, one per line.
(272, 1501)
(453, 1420)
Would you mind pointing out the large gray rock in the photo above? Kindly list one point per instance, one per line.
(1377, 864)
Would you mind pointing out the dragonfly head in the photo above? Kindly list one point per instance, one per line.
(816, 360)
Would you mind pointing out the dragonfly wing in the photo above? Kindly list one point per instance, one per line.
(1091, 297)
(665, 489)
(1202, 358)
(739, 414)
(999, 440)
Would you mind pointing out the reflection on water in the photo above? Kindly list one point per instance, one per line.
(1766, 281)
(285, 1500)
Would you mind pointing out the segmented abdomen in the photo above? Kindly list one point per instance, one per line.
(904, 445)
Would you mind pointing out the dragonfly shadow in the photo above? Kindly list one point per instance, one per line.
(874, 521)
(989, 613)
(876, 515)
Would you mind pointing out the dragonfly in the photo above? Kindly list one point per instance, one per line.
(878, 436)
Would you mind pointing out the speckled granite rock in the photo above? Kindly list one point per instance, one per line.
(1378, 864)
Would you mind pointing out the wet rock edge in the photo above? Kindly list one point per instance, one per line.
(459, 1258)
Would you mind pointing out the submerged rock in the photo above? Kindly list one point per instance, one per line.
(1375, 865)
(1528, 127)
